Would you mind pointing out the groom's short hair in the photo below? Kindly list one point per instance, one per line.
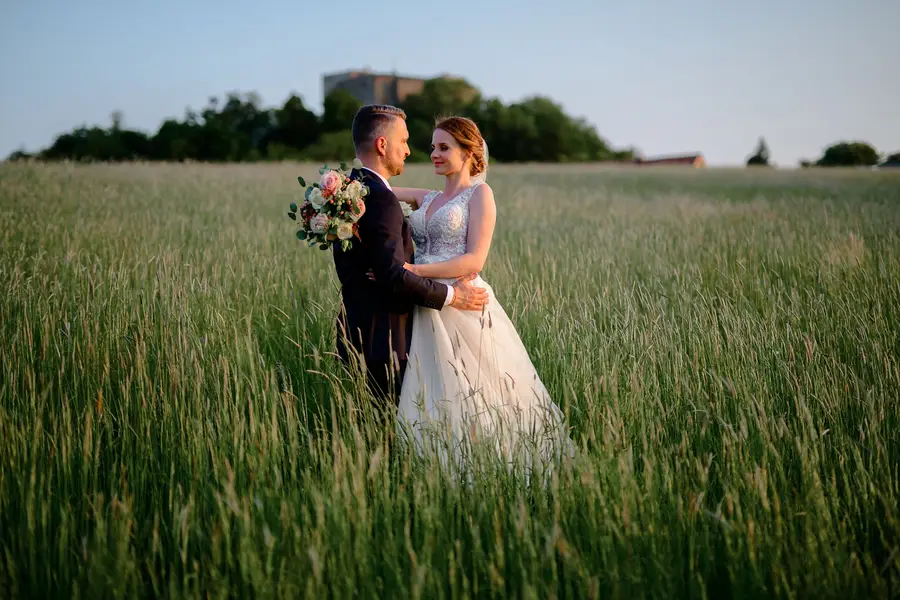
(371, 121)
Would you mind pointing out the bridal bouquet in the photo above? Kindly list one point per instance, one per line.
(330, 209)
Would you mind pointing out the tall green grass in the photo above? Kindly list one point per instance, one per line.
(726, 345)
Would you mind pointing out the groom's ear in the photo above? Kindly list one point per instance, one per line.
(381, 145)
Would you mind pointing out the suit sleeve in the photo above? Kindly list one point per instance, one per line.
(380, 229)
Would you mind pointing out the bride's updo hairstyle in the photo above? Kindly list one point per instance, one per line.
(467, 135)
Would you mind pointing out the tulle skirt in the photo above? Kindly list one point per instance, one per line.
(470, 393)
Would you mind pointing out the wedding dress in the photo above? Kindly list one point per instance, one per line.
(469, 381)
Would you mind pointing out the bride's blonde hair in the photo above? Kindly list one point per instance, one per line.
(468, 136)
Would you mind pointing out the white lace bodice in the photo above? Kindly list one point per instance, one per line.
(443, 235)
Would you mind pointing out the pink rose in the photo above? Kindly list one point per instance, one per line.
(358, 211)
(319, 223)
(330, 183)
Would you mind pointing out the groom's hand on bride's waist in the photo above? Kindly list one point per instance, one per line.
(466, 296)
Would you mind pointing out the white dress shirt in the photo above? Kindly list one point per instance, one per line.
(388, 185)
(379, 176)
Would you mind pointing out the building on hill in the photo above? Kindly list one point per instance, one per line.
(687, 160)
(375, 88)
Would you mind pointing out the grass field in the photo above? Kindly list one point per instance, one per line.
(726, 345)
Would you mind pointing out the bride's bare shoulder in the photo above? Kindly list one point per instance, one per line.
(483, 193)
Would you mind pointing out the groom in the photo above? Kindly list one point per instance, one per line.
(376, 317)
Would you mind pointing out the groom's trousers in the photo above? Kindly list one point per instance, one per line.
(386, 384)
(383, 379)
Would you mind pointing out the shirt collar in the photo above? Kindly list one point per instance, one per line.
(379, 176)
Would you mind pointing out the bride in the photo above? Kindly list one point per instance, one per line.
(469, 379)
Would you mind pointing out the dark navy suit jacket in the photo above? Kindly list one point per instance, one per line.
(376, 316)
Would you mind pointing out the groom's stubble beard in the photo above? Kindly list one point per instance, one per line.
(394, 167)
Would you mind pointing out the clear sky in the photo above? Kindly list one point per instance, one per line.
(666, 77)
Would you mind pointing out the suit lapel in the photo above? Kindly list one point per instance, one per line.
(376, 184)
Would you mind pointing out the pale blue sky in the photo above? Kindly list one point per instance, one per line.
(665, 76)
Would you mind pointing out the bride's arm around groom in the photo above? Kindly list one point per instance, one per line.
(412, 196)
(380, 231)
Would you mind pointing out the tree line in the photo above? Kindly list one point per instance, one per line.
(240, 129)
(841, 154)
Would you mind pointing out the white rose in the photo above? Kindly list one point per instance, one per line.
(345, 231)
(406, 208)
(319, 224)
(354, 190)
(316, 198)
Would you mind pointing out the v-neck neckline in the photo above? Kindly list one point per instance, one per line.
(439, 208)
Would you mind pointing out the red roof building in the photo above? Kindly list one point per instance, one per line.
(687, 160)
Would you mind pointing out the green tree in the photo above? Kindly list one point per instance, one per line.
(295, 127)
(335, 146)
(239, 128)
(20, 154)
(849, 154)
(175, 141)
(760, 158)
(98, 144)
(438, 98)
(519, 138)
(338, 110)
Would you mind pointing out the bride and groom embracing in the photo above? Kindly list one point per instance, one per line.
(438, 349)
